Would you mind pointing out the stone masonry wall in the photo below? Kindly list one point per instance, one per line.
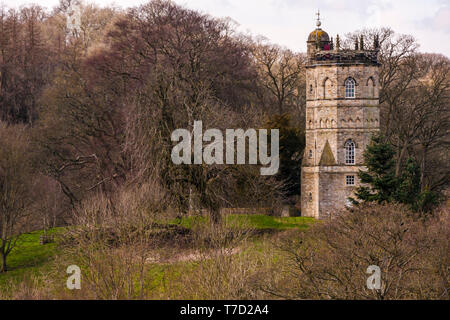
(333, 118)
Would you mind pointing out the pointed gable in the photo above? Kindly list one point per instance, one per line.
(327, 158)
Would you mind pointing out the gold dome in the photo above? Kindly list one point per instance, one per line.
(319, 33)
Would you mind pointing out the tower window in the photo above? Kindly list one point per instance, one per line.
(327, 89)
(371, 88)
(350, 180)
(310, 154)
(310, 88)
(349, 152)
(310, 196)
(349, 88)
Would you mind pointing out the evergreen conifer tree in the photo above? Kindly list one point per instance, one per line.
(380, 174)
(382, 185)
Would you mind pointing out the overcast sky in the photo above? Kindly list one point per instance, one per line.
(288, 22)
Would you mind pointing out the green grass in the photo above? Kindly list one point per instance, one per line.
(269, 222)
(257, 221)
(29, 256)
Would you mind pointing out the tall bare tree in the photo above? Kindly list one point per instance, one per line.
(16, 182)
(280, 72)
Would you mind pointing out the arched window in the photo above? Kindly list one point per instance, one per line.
(349, 88)
(350, 152)
(327, 89)
(371, 88)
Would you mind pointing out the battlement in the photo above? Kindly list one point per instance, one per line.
(324, 57)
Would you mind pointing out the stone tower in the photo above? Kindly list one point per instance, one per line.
(342, 113)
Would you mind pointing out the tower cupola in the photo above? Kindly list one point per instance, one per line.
(318, 39)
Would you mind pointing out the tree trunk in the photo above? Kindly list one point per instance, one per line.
(280, 106)
(398, 163)
(422, 168)
(3, 269)
(216, 218)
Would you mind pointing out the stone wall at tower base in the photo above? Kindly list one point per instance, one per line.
(327, 185)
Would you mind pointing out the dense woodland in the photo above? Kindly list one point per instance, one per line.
(86, 118)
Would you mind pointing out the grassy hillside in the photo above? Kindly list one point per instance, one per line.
(255, 221)
(29, 256)
(30, 259)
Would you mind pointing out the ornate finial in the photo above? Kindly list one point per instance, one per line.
(318, 23)
(376, 42)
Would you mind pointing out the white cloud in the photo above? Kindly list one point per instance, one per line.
(441, 21)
